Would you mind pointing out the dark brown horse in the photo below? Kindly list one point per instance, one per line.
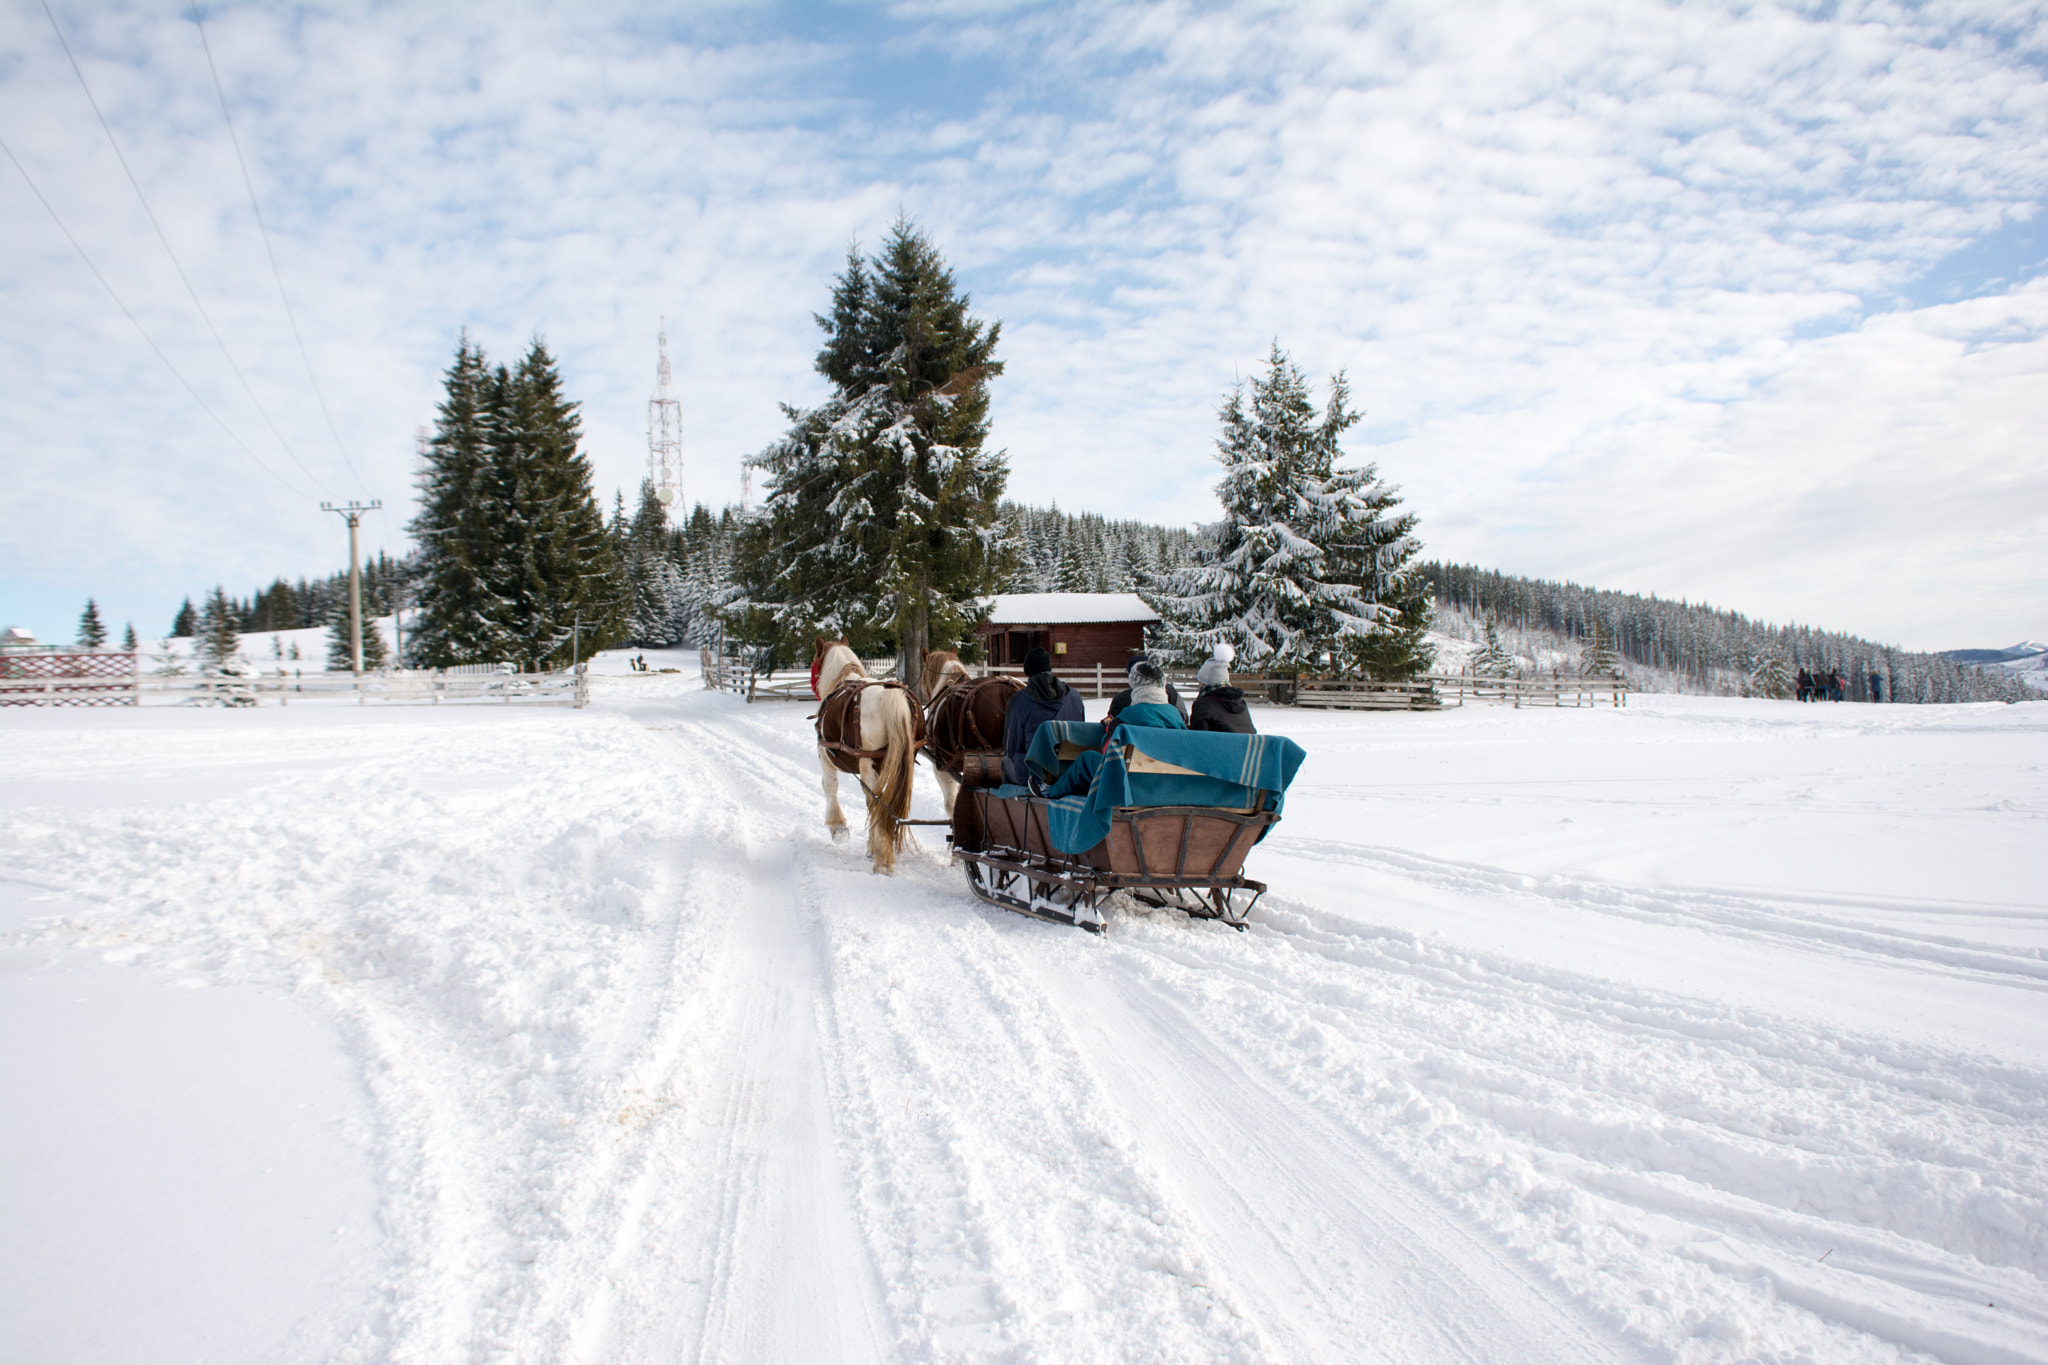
(964, 721)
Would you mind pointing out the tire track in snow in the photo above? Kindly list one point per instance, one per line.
(1625, 1139)
(743, 1245)
(1335, 1255)
(1711, 911)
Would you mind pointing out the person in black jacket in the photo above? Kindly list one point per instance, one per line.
(1219, 705)
(1123, 698)
(1044, 698)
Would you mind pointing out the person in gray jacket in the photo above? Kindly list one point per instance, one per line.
(1136, 664)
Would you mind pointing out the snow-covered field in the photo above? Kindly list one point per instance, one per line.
(1701, 1030)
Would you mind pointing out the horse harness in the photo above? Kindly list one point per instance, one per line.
(839, 717)
(956, 728)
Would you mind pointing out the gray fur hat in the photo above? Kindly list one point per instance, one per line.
(1213, 673)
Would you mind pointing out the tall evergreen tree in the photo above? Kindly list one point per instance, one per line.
(1494, 660)
(92, 632)
(1312, 562)
(219, 639)
(514, 548)
(186, 623)
(880, 520)
(341, 657)
(1598, 659)
(655, 580)
(128, 638)
(456, 610)
(557, 563)
(1770, 677)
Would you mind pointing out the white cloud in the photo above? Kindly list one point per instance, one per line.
(1572, 257)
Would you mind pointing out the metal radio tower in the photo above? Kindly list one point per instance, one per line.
(665, 434)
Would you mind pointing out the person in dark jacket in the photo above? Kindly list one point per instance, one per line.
(1044, 698)
(1123, 698)
(1219, 706)
(1803, 684)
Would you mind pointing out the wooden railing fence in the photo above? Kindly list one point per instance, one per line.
(1430, 692)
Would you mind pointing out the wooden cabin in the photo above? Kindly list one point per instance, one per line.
(1079, 629)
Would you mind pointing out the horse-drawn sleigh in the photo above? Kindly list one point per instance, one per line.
(1168, 820)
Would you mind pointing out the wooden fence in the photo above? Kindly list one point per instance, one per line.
(1430, 692)
(727, 673)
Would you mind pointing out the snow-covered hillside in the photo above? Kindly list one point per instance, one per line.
(1699, 1030)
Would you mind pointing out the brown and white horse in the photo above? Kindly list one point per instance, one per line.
(871, 730)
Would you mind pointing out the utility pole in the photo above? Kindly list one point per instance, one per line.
(398, 623)
(354, 515)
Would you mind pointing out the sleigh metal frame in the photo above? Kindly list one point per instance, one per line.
(1187, 858)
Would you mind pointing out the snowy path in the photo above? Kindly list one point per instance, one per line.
(660, 1073)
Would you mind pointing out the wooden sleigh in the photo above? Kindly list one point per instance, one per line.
(1178, 856)
(1187, 858)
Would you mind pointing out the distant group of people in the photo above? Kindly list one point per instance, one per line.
(1148, 700)
(1825, 686)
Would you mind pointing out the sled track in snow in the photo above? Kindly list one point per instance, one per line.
(1769, 921)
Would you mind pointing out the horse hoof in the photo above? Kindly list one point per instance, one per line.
(839, 833)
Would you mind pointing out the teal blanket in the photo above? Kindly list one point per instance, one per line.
(1225, 770)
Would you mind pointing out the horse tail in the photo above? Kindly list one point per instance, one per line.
(893, 779)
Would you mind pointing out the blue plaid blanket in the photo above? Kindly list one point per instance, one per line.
(1223, 770)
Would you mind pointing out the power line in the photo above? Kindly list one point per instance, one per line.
(263, 228)
(168, 251)
(147, 339)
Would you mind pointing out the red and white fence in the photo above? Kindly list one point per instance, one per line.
(69, 677)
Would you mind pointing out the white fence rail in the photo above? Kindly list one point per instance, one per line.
(429, 686)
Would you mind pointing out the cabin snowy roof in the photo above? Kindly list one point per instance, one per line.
(1068, 608)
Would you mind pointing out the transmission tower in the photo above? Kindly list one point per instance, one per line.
(665, 434)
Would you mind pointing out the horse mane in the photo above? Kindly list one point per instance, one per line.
(837, 663)
(942, 671)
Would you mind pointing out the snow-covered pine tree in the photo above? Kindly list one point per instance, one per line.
(1770, 676)
(186, 623)
(219, 640)
(1493, 660)
(341, 658)
(1598, 659)
(92, 632)
(457, 608)
(513, 545)
(1309, 554)
(128, 638)
(880, 519)
(555, 563)
(658, 598)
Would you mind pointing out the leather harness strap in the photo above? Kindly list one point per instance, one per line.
(844, 700)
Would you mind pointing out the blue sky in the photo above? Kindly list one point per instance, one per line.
(1738, 303)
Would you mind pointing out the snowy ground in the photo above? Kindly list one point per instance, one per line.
(1701, 1030)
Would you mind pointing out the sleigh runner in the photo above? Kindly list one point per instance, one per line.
(1170, 820)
